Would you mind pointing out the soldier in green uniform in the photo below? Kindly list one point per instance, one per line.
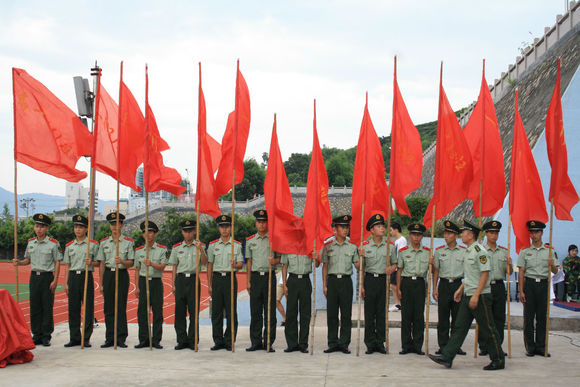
(183, 258)
(501, 264)
(156, 262)
(109, 262)
(338, 256)
(373, 255)
(448, 268)
(259, 260)
(475, 298)
(296, 271)
(219, 265)
(535, 264)
(75, 256)
(413, 264)
(571, 266)
(44, 256)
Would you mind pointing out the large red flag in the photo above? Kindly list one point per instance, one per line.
(368, 183)
(215, 150)
(106, 133)
(406, 152)
(562, 192)
(317, 217)
(157, 176)
(453, 166)
(48, 136)
(286, 230)
(526, 194)
(206, 198)
(235, 139)
(482, 135)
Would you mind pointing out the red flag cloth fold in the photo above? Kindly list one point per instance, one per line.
(206, 198)
(482, 135)
(106, 133)
(285, 230)
(368, 183)
(406, 152)
(526, 194)
(14, 331)
(317, 216)
(562, 191)
(48, 136)
(235, 139)
(453, 165)
(215, 150)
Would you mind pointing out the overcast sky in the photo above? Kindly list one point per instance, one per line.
(290, 53)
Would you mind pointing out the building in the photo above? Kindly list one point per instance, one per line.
(137, 199)
(123, 206)
(77, 196)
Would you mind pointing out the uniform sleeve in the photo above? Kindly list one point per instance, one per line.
(393, 254)
(56, 254)
(401, 261)
(484, 261)
(238, 252)
(100, 253)
(436, 259)
(522, 258)
(164, 258)
(210, 254)
(173, 257)
(324, 255)
(355, 256)
(131, 252)
(284, 259)
(65, 256)
(27, 252)
(249, 250)
(94, 251)
(138, 257)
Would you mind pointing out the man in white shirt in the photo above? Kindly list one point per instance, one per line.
(400, 242)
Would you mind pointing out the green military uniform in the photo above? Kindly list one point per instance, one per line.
(43, 256)
(220, 253)
(107, 253)
(449, 264)
(157, 255)
(258, 250)
(75, 253)
(298, 300)
(571, 268)
(339, 257)
(184, 256)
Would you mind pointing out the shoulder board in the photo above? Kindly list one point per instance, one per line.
(104, 239)
(250, 237)
(463, 247)
(214, 241)
(94, 241)
(501, 247)
(70, 243)
(477, 248)
(53, 240)
(327, 243)
(178, 244)
(366, 243)
(139, 248)
(404, 248)
(128, 239)
(160, 245)
(426, 248)
(548, 246)
(393, 243)
(239, 243)
(440, 247)
(31, 239)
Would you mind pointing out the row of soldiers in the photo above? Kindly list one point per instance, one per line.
(468, 283)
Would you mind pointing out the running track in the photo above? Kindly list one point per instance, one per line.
(7, 275)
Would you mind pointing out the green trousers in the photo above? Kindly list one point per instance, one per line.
(220, 301)
(76, 287)
(412, 313)
(41, 305)
(259, 308)
(535, 308)
(498, 300)
(156, 305)
(487, 331)
(447, 310)
(339, 297)
(109, 306)
(185, 304)
(375, 296)
(299, 299)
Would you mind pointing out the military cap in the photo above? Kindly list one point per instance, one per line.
(494, 225)
(471, 227)
(187, 224)
(375, 219)
(112, 217)
(416, 228)
(42, 219)
(151, 226)
(261, 215)
(80, 220)
(224, 220)
(343, 220)
(451, 227)
(535, 225)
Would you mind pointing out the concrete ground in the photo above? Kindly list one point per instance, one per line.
(94, 366)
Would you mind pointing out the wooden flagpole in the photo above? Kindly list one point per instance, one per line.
(388, 277)
(146, 181)
(313, 318)
(429, 279)
(196, 291)
(479, 239)
(549, 279)
(268, 329)
(232, 273)
(16, 218)
(359, 293)
(509, 322)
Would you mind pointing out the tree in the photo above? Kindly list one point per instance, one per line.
(297, 168)
(253, 183)
(339, 170)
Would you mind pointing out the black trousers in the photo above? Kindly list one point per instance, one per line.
(220, 301)
(184, 305)
(535, 309)
(339, 297)
(109, 306)
(412, 313)
(375, 296)
(259, 308)
(299, 300)
(447, 309)
(76, 286)
(41, 305)
(498, 300)
(156, 304)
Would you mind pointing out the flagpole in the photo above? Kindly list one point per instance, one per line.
(117, 223)
(509, 323)
(362, 220)
(146, 181)
(313, 318)
(388, 277)
(268, 329)
(429, 279)
(16, 219)
(479, 239)
(196, 291)
(549, 279)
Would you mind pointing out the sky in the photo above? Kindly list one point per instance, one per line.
(289, 52)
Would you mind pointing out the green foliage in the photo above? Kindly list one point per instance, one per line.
(339, 170)
(297, 168)
(103, 230)
(253, 183)
(417, 205)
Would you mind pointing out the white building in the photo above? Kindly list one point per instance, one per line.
(77, 196)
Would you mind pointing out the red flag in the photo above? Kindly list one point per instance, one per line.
(206, 198)
(562, 192)
(317, 217)
(48, 136)
(368, 183)
(235, 139)
(482, 135)
(406, 152)
(453, 166)
(215, 150)
(286, 230)
(157, 176)
(106, 133)
(526, 194)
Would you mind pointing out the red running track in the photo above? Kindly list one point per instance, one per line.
(7, 275)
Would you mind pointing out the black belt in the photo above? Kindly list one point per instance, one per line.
(37, 272)
(260, 273)
(414, 278)
(150, 278)
(339, 275)
(221, 274)
(451, 280)
(375, 275)
(113, 269)
(536, 279)
(186, 275)
(496, 282)
(78, 272)
(299, 276)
